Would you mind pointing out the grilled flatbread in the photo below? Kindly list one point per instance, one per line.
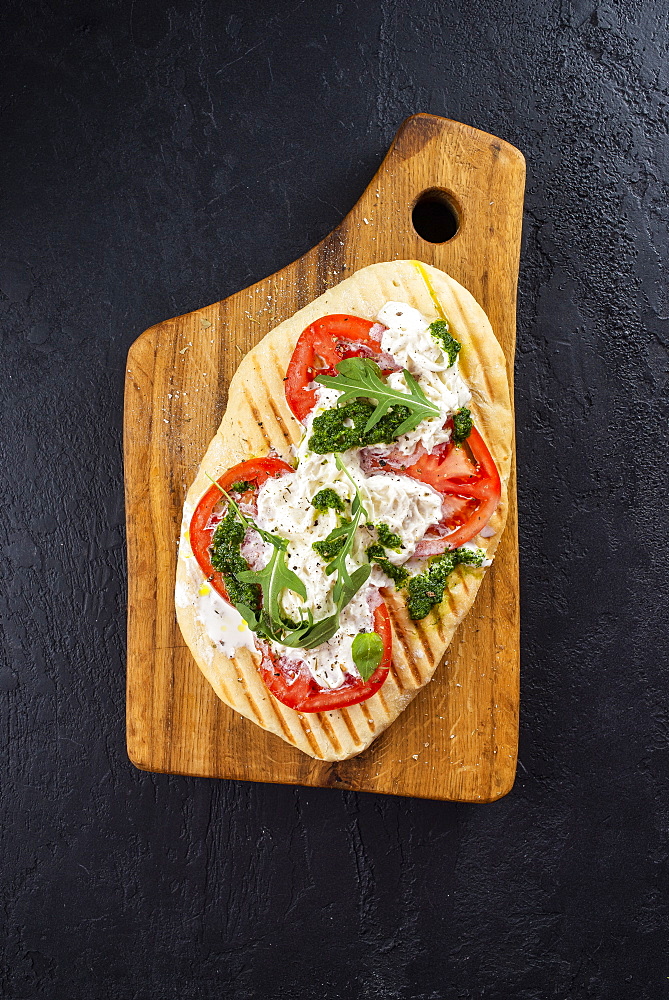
(258, 421)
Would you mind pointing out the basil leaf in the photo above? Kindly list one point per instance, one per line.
(367, 650)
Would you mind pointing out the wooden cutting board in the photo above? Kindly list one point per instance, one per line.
(458, 738)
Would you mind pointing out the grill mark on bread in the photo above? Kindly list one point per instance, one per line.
(260, 420)
(452, 603)
(278, 417)
(360, 720)
(439, 625)
(278, 714)
(260, 717)
(394, 689)
(289, 421)
(392, 672)
(255, 413)
(221, 683)
(401, 637)
(309, 737)
(384, 703)
(274, 708)
(320, 738)
(365, 711)
(330, 732)
(422, 637)
(241, 679)
(350, 725)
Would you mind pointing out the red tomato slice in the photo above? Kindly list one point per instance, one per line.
(329, 339)
(468, 479)
(296, 688)
(203, 525)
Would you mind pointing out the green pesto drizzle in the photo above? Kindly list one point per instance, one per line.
(327, 499)
(330, 433)
(227, 559)
(427, 589)
(440, 330)
(462, 425)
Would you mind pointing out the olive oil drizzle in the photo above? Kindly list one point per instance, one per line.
(430, 287)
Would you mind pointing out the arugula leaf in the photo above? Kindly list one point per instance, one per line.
(334, 542)
(367, 650)
(248, 615)
(352, 584)
(273, 579)
(336, 547)
(347, 586)
(360, 377)
(248, 522)
(313, 634)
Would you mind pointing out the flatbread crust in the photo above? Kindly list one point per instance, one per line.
(258, 419)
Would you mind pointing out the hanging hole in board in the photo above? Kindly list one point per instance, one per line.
(434, 216)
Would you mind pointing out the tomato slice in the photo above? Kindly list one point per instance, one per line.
(203, 523)
(330, 339)
(468, 479)
(295, 687)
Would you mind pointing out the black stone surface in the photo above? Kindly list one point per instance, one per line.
(156, 157)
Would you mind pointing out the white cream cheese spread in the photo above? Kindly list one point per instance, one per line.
(221, 621)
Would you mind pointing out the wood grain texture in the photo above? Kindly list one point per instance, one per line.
(458, 739)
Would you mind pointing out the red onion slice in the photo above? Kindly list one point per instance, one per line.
(430, 547)
(253, 550)
(392, 458)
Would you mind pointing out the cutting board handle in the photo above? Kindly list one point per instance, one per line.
(449, 195)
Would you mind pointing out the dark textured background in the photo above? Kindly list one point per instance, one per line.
(159, 156)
